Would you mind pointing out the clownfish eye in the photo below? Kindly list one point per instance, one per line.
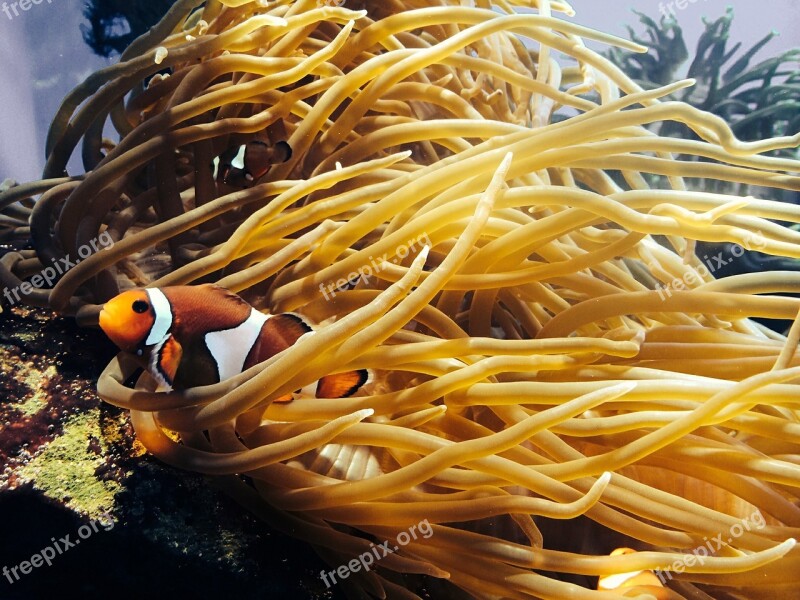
(140, 306)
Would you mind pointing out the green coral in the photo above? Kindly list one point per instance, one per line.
(65, 469)
(759, 101)
(667, 52)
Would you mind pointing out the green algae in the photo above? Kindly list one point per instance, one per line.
(65, 469)
(36, 381)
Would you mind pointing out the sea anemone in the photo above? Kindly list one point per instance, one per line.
(757, 101)
(467, 213)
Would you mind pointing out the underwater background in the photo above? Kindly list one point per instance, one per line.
(170, 530)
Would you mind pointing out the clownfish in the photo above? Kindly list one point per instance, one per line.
(188, 336)
(241, 166)
(644, 578)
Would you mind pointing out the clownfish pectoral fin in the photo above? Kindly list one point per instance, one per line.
(164, 361)
(342, 385)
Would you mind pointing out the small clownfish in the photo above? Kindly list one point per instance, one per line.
(240, 166)
(645, 579)
(198, 335)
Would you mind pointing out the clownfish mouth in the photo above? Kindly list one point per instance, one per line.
(109, 326)
(105, 321)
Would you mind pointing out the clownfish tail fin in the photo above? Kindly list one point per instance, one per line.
(342, 385)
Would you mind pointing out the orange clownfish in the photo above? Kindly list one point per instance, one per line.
(198, 335)
(241, 166)
(645, 579)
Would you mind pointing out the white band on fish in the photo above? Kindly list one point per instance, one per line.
(238, 160)
(163, 317)
(230, 347)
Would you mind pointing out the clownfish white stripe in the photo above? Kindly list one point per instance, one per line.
(230, 347)
(238, 160)
(163, 317)
(612, 582)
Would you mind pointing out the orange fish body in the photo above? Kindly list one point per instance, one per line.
(199, 335)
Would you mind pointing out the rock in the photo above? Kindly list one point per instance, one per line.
(118, 523)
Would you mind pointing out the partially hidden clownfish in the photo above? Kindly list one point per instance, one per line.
(188, 336)
(644, 580)
(241, 166)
